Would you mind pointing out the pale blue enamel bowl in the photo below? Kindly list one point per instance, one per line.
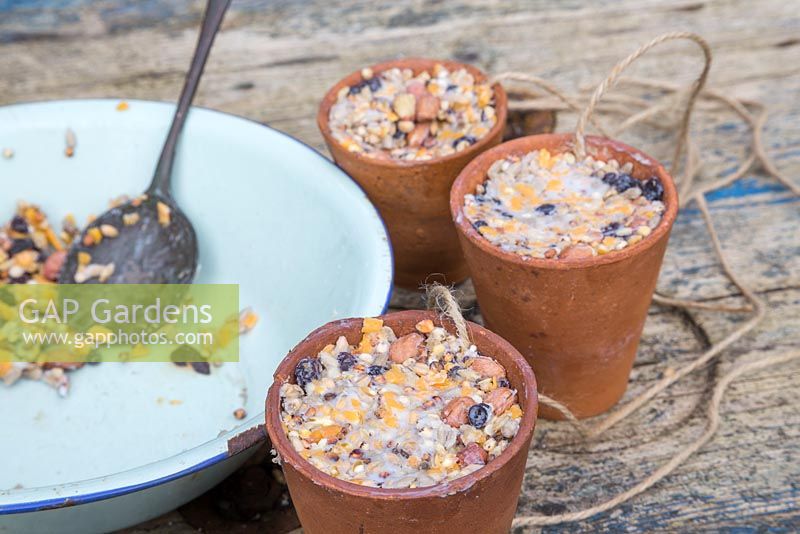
(133, 441)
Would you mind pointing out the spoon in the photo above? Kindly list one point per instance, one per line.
(148, 240)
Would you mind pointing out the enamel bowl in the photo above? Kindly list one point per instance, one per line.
(135, 440)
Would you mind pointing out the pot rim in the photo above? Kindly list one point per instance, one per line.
(288, 454)
(416, 64)
(567, 140)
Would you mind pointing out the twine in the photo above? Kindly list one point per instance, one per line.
(441, 298)
(547, 86)
(648, 113)
(613, 76)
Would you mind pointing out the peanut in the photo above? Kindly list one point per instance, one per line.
(456, 411)
(52, 266)
(500, 399)
(405, 347)
(427, 107)
(405, 126)
(405, 105)
(426, 326)
(416, 88)
(418, 135)
(577, 251)
(472, 454)
(487, 367)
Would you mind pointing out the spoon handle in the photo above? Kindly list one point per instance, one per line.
(215, 11)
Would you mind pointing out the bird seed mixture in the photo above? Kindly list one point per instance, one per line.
(401, 412)
(30, 249)
(32, 252)
(395, 114)
(543, 205)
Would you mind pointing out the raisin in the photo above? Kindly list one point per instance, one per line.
(356, 89)
(626, 182)
(346, 361)
(306, 370)
(611, 229)
(621, 182)
(401, 452)
(545, 209)
(468, 138)
(20, 245)
(19, 225)
(376, 370)
(479, 414)
(201, 367)
(610, 178)
(652, 189)
(23, 279)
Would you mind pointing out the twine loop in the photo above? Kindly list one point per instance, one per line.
(619, 68)
(441, 298)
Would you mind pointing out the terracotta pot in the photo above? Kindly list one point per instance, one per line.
(484, 501)
(577, 321)
(412, 196)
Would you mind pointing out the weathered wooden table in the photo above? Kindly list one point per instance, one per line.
(275, 59)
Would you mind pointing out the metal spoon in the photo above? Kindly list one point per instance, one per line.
(154, 243)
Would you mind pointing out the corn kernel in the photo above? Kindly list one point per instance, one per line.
(425, 327)
(371, 325)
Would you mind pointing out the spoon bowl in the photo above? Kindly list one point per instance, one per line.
(147, 240)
